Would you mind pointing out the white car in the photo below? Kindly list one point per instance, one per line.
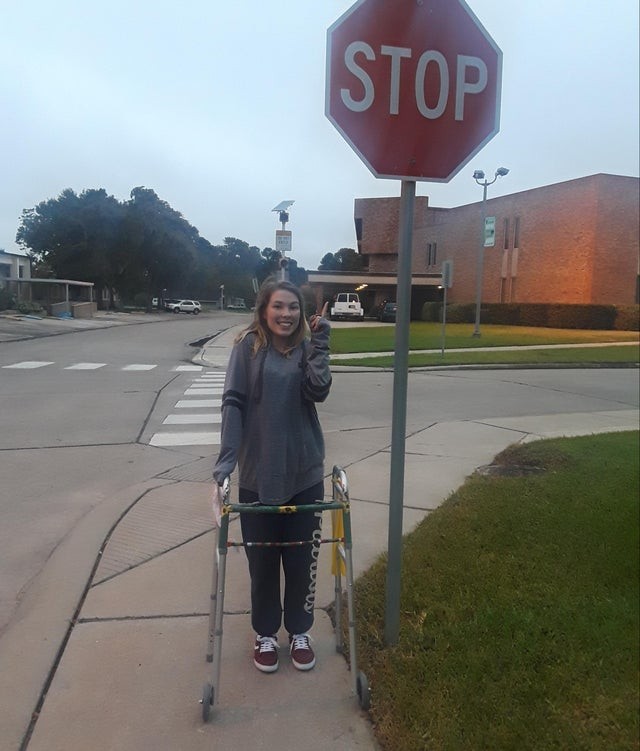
(347, 305)
(185, 306)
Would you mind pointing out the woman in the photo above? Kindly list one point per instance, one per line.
(278, 369)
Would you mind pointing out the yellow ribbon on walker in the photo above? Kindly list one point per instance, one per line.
(338, 567)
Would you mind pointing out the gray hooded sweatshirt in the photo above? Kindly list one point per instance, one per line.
(270, 426)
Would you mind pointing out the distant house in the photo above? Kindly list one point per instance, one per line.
(55, 296)
(14, 266)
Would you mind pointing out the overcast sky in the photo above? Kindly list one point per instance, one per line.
(219, 108)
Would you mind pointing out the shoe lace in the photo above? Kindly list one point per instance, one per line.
(267, 644)
(300, 641)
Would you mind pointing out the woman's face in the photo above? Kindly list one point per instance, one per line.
(282, 316)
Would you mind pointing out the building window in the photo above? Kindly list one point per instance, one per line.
(506, 234)
(516, 233)
(21, 271)
(432, 252)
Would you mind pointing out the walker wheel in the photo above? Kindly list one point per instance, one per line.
(207, 701)
(364, 693)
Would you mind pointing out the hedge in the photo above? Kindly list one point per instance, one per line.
(549, 315)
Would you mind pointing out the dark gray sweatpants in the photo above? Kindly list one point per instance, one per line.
(299, 563)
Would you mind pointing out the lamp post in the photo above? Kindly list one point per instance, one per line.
(479, 177)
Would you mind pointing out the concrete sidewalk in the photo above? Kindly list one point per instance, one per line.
(131, 675)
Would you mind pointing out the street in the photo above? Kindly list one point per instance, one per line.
(93, 420)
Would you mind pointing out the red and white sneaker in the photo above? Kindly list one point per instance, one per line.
(302, 655)
(265, 653)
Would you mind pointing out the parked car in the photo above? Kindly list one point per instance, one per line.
(387, 312)
(347, 305)
(185, 306)
(237, 303)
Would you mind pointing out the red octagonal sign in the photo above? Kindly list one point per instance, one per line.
(413, 86)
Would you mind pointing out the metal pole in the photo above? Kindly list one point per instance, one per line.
(480, 265)
(399, 419)
(444, 318)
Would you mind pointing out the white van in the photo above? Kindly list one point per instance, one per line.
(347, 305)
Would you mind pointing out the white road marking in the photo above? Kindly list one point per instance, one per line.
(203, 392)
(185, 439)
(86, 366)
(29, 364)
(198, 403)
(139, 367)
(188, 368)
(186, 419)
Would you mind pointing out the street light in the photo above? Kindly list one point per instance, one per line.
(479, 177)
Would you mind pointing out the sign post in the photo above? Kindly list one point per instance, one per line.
(414, 88)
(447, 281)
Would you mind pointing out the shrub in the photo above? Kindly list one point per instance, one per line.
(461, 313)
(29, 307)
(551, 315)
(431, 311)
(627, 318)
(6, 299)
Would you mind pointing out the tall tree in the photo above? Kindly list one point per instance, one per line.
(158, 246)
(345, 259)
(72, 236)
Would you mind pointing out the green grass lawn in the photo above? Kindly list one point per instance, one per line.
(428, 336)
(519, 615)
(576, 356)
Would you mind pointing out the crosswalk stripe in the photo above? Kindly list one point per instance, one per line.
(199, 403)
(185, 439)
(28, 364)
(200, 386)
(86, 366)
(186, 419)
(204, 378)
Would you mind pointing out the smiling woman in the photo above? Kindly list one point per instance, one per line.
(282, 317)
(278, 370)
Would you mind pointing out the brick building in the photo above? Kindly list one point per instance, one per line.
(571, 242)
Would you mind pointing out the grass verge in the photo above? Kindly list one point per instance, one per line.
(519, 609)
(573, 355)
(372, 338)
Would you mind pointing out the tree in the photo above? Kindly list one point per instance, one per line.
(73, 236)
(345, 259)
(158, 245)
(140, 247)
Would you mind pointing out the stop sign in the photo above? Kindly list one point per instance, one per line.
(413, 86)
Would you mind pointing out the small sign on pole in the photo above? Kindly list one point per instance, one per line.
(283, 241)
(447, 274)
(489, 231)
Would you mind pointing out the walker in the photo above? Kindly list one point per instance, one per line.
(342, 563)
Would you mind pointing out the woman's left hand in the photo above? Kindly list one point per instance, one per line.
(315, 319)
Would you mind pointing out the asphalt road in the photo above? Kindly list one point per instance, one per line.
(72, 417)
